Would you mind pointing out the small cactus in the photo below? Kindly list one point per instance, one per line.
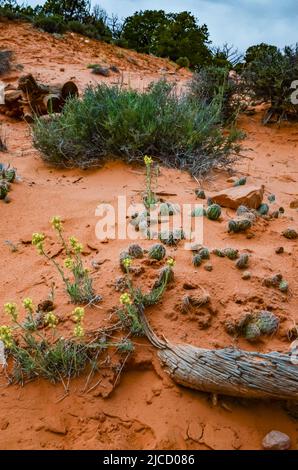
(271, 197)
(204, 253)
(157, 252)
(218, 252)
(267, 322)
(209, 201)
(239, 225)
(252, 332)
(135, 251)
(208, 267)
(242, 210)
(197, 260)
(242, 262)
(4, 188)
(283, 286)
(200, 193)
(240, 182)
(231, 253)
(198, 212)
(290, 233)
(263, 209)
(273, 281)
(213, 212)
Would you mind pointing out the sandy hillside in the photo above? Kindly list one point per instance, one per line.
(146, 409)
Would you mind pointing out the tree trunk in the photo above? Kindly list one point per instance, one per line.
(227, 371)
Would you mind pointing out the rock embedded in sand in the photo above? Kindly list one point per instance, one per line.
(294, 204)
(276, 440)
(249, 196)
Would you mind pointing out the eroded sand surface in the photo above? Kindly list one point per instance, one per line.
(146, 410)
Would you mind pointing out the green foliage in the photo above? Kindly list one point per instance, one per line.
(128, 124)
(183, 62)
(157, 252)
(268, 75)
(69, 9)
(50, 24)
(214, 81)
(173, 35)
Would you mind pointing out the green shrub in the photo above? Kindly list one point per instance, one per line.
(269, 75)
(50, 24)
(183, 62)
(179, 131)
(214, 81)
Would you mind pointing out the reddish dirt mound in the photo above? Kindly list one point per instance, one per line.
(146, 410)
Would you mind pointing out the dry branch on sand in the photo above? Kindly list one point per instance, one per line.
(31, 97)
(227, 371)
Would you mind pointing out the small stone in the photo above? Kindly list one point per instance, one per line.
(279, 250)
(194, 431)
(208, 267)
(249, 196)
(276, 440)
(294, 204)
(189, 285)
(246, 275)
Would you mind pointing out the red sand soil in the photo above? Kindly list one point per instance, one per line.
(146, 410)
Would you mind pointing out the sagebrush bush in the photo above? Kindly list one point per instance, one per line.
(50, 24)
(214, 81)
(111, 122)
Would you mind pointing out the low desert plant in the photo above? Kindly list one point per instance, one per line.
(211, 82)
(134, 300)
(118, 123)
(50, 24)
(79, 288)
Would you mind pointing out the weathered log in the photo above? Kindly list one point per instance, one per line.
(227, 371)
(33, 98)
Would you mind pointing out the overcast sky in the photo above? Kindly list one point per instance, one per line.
(238, 22)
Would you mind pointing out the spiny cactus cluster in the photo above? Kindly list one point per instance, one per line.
(172, 238)
(157, 252)
(263, 209)
(239, 224)
(242, 262)
(290, 233)
(276, 281)
(231, 253)
(7, 176)
(213, 212)
(240, 181)
(200, 193)
(253, 325)
(135, 251)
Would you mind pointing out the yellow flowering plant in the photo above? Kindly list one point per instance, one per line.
(79, 287)
(149, 196)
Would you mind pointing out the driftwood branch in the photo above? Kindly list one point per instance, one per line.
(227, 371)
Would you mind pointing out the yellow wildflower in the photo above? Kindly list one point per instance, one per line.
(78, 331)
(148, 160)
(78, 314)
(171, 262)
(68, 263)
(76, 246)
(28, 304)
(127, 262)
(6, 336)
(57, 223)
(51, 320)
(11, 309)
(125, 299)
